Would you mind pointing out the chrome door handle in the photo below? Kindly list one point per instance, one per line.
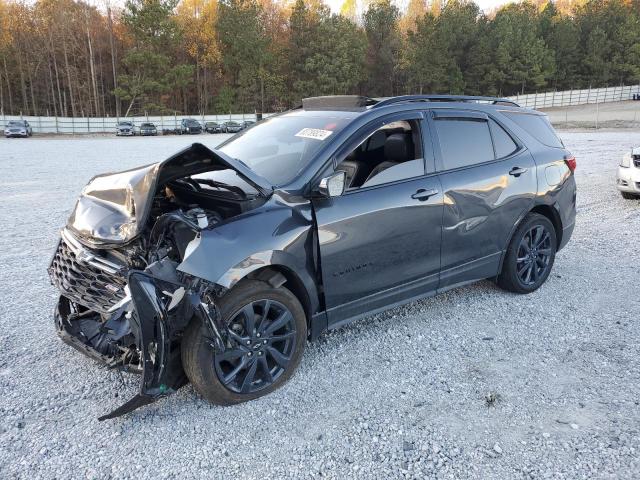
(423, 194)
(517, 171)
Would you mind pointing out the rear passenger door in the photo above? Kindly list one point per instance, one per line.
(489, 181)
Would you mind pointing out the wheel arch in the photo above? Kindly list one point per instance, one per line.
(281, 275)
(554, 217)
(548, 211)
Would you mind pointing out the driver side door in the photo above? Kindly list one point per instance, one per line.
(380, 242)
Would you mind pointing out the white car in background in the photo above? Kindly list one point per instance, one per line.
(628, 177)
(18, 128)
(125, 128)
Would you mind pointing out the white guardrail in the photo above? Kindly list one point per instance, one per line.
(567, 98)
(76, 125)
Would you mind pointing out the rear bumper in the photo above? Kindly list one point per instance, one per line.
(567, 231)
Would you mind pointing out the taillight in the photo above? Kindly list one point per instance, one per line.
(570, 160)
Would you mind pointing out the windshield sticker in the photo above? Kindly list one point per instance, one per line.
(315, 133)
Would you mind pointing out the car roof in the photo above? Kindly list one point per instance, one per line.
(355, 104)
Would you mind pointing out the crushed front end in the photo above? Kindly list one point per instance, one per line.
(129, 314)
(123, 299)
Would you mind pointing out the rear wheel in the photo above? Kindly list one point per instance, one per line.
(530, 255)
(266, 334)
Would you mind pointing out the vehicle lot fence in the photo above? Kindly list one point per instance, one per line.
(79, 125)
(577, 97)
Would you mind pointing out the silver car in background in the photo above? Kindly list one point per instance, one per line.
(628, 176)
(18, 128)
(125, 128)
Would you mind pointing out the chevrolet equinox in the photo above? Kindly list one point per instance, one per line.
(216, 266)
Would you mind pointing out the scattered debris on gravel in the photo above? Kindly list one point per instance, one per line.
(475, 383)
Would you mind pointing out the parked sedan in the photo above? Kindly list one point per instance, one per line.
(125, 128)
(18, 128)
(231, 127)
(148, 129)
(628, 177)
(212, 127)
(247, 124)
(189, 126)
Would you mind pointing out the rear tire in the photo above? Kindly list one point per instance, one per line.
(268, 348)
(629, 196)
(530, 255)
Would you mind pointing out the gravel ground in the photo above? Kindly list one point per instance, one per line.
(475, 383)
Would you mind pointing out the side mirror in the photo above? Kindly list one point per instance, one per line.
(333, 185)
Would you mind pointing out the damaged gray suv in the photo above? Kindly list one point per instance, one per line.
(216, 266)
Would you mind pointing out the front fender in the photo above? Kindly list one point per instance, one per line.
(280, 233)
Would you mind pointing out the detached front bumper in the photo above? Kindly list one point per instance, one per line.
(131, 320)
(154, 333)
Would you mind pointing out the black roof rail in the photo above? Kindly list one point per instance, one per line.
(444, 98)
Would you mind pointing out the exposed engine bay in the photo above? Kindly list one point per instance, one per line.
(124, 300)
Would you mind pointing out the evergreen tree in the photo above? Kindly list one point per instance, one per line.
(384, 45)
(148, 66)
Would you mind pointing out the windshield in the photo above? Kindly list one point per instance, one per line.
(279, 148)
(191, 122)
(147, 125)
(16, 123)
(125, 124)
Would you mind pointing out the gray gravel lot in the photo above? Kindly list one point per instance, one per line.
(475, 383)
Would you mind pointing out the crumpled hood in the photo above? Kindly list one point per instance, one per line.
(113, 208)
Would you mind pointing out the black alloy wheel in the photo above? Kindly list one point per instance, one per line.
(266, 333)
(534, 254)
(261, 343)
(530, 255)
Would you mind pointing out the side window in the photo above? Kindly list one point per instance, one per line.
(502, 141)
(388, 154)
(464, 141)
(538, 126)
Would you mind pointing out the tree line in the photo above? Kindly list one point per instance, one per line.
(67, 57)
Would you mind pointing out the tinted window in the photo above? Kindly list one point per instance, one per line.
(502, 141)
(278, 148)
(538, 126)
(464, 141)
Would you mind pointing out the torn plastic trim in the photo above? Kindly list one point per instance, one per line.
(159, 305)
(162, 372)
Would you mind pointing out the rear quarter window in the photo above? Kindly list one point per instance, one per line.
(502, 141)
(537, 126)
(464, 142)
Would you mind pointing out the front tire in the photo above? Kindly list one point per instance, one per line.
(629, 196)
(266, 336)
(530, 255)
